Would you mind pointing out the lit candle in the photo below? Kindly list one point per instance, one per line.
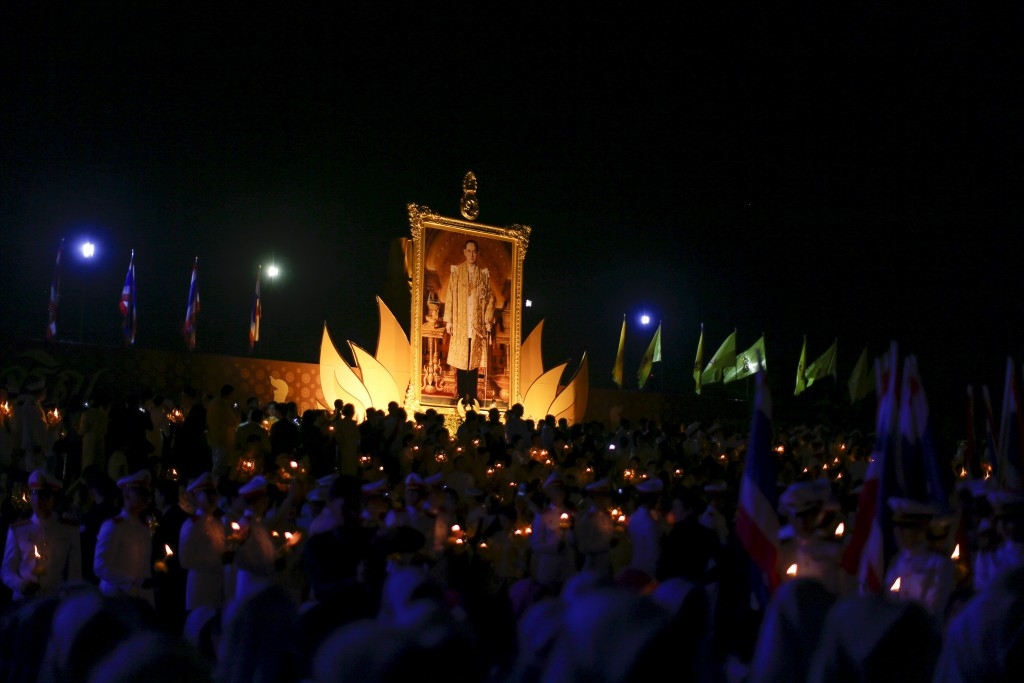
(956, 553)
(167, 550)
(840, 529)
(895, 588)
(792, 570)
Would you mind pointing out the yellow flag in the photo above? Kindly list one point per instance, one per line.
(652, 356)
(699, 362)
(801, 370)
(747, 363)
(724, 358)
(823, 366)
(860, 383)
(620, 357)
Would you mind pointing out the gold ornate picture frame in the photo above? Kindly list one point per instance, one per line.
(438, 246)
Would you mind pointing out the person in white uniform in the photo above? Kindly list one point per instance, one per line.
(42, 553)
(124, 548)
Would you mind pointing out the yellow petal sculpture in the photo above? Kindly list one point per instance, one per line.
(376, 380)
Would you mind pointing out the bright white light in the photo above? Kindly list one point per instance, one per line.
(88, 249)
(645, 319)
(272, 271)
(529, 303)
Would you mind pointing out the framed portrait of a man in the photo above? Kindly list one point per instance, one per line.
(466, 312)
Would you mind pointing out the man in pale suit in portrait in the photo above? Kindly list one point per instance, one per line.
(469, 310)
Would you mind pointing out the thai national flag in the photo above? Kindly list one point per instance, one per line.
(970, 451)
(193, 307)
(256, 315)
(991, 442)
(922, 474)
(757, 522)
(51, 325)
(128, 303)
(1011, 434)
(872, 542)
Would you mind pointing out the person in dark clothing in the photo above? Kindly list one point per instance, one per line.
(127, 431)
(285, 436)
(190, 452)
(316, 443)
(335, 561)
(104, 503)
(690, 549)
(169, 577)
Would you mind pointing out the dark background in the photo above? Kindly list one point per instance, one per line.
(835, 173)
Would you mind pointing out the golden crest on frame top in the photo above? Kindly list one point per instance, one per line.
(469, 204)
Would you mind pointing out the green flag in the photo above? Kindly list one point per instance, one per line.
(860, 383)
(801, 370)
(620, 357)
(699, 362)
(747, 363)
(823, 366)
(724, 358)
(652, 356)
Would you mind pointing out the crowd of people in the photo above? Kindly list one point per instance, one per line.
(195, 538)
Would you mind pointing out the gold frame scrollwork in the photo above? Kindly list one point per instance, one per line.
(436, 241)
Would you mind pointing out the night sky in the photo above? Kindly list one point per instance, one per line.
(835, 173)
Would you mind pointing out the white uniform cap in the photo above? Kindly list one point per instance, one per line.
(254, 487)
(204, 482)
(415, 482)
(910, 511)
(554, 479)
(140, 480)
(376, 488)
(652, 485)
(41, 479)
(804, 496)
(1006, 502)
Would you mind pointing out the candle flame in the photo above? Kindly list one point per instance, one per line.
(235, 526)
(167, 550)
(840, 529)
(895, 588)
(956, 553)
(456, 527)
(35, 550)
(792, 570)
